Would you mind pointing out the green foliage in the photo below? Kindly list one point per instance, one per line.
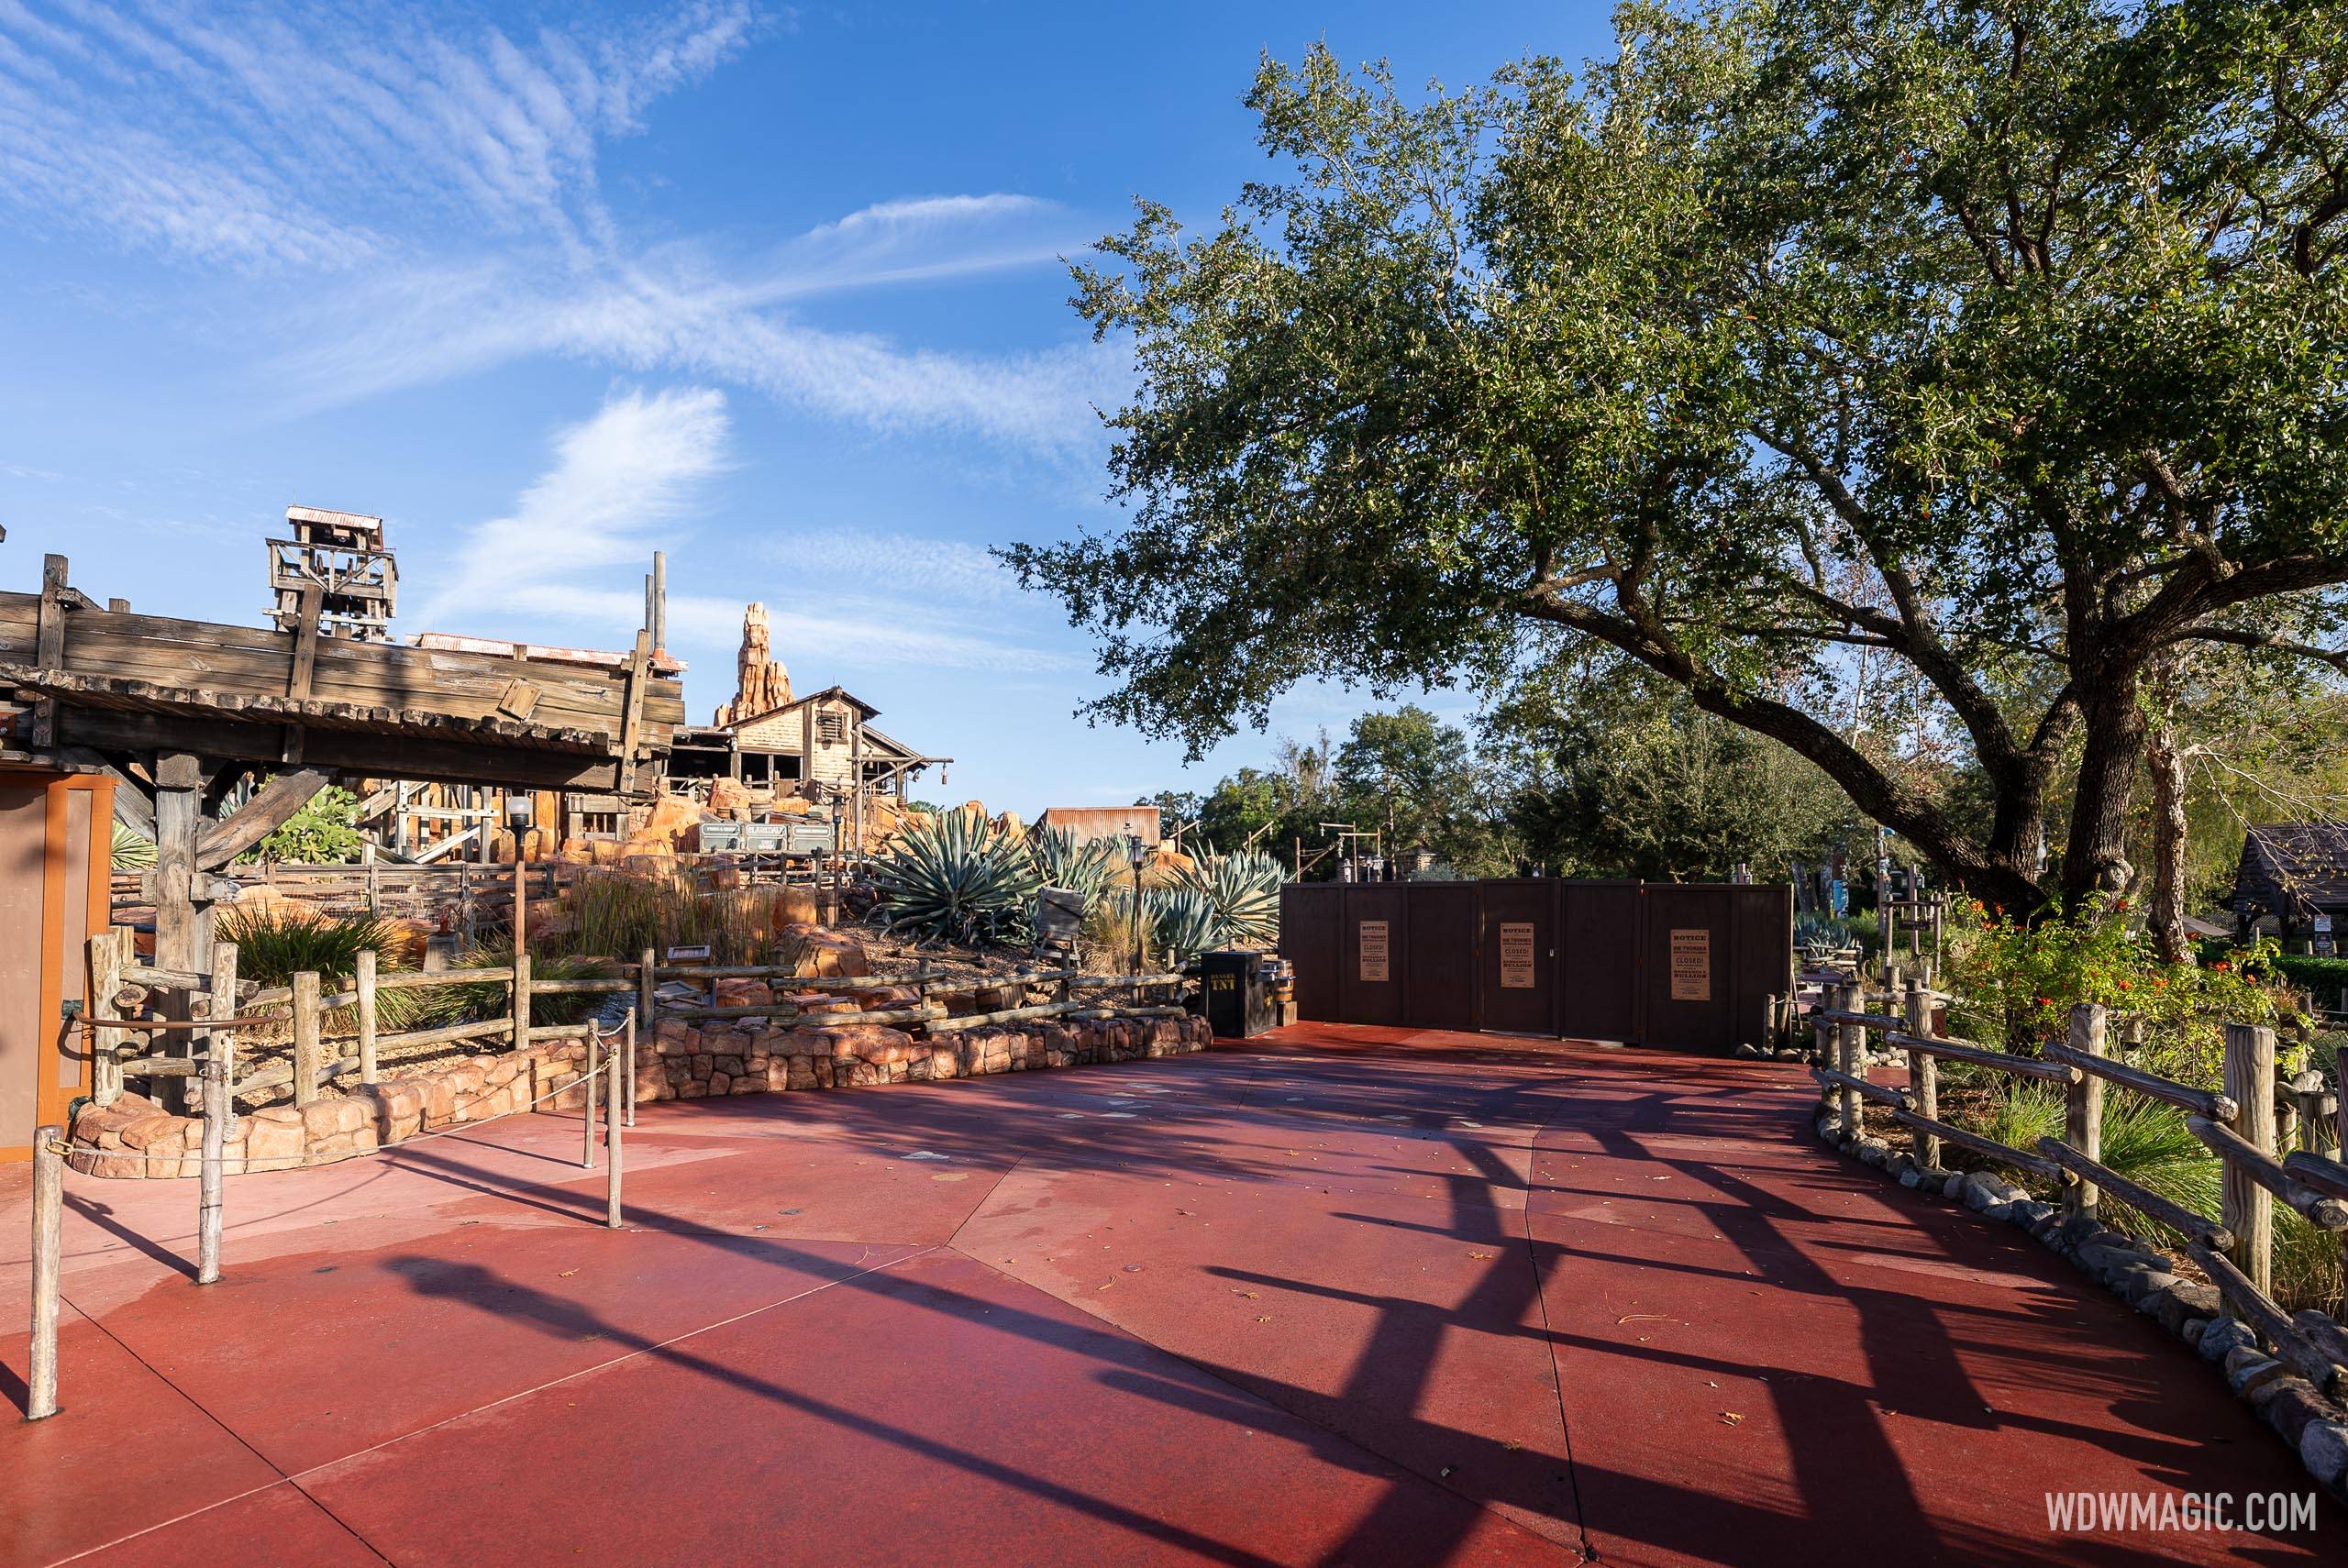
(2017, 984)
(1177, 924)
(1084, 868)
(1242, 893)
(1614, 771)
(618, 914)
(324, 831)
(958, 878)
(275, 942)
(1731, 352)
(455, 1003)
(132, 851)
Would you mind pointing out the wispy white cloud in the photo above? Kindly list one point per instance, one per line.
(434, 191)
(620, 485)
(946, 569)
(619, 482)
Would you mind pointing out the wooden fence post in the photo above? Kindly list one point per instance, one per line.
(219, 1044)
(521, 999)
(1851, 1048)
(48, 1255)
(306, 1036)
(623, 1063)
(106, 983)
(1923, 1075)
(366, 979)
(2306, 1094)
(2249, 1207)
(2083, 1107)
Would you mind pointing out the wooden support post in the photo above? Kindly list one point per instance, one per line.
(1923, 1076)
(366, 988)
(659, 624)
(306, 1051)
(2307, 1094)
(2249, 1207)
(106, 982)
(587, 1083)
(49, 642)
(182, 894)
(623, 1067)
(1850, 1057)
(2083, 1107)
(220, 1047)
(49, 1258)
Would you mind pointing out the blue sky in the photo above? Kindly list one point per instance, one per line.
(777, 290)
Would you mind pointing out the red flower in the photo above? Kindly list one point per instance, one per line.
(2123, 984)
(2160, 983)
(2222, 965)
(2046, 1001)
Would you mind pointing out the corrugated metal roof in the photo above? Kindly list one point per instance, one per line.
(1104, 822)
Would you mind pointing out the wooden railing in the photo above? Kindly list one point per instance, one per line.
(2244, 1126)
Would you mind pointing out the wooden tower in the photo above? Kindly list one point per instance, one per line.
(341, 557)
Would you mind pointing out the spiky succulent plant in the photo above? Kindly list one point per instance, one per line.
(1084, 866)
(1243, 889)
(958, 877)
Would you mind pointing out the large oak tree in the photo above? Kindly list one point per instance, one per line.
(2005, 339)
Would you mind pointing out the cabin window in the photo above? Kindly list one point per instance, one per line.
(832, 728)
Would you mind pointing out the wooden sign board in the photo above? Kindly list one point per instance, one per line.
(1517, 967)
(1691, 966)
(1373, 951)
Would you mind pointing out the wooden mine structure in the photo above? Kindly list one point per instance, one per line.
(178, 712)
(337, 571)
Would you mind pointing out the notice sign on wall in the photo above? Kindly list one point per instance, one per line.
(1691, 966)
(1516, 956)
(1373, 950)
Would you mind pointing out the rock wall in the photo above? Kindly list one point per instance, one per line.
(690, 1063)
(135, 1137)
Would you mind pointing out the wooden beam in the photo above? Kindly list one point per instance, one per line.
(134, 797)
(48, 642)
(376, 756)
(306, 663)
(272, 806)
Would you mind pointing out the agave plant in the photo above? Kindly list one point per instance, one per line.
(132, 851)
(1084, 867)
(1243, 889)
(958, 877)
(1176, 925)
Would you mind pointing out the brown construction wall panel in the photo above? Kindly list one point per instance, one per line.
(1439, 985)
(1598, 960)
(1376, 939)
(1687, 968)
(1517, 973)
(1763, 917)
(1309, 917)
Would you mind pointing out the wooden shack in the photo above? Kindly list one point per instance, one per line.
(820, 745)
(56, 846)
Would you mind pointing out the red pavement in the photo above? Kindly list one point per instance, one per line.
(1342, 1296)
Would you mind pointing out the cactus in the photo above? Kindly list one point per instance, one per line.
(958, 877)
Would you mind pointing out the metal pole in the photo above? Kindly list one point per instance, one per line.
(587, 1149)
(612, 1131)
(48, 1204)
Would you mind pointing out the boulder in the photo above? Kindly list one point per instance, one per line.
(813, 950)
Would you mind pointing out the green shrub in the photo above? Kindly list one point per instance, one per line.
(324, 831)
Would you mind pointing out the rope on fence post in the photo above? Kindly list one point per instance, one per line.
(1923, 1076)
(219, 1044)
(2083, 1107)
(623, 1058)
(49, 1232)
(587, 1086)
(2249, 1207)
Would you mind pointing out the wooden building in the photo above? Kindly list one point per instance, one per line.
(1089, 822)
(2292, 881)
(56, 844)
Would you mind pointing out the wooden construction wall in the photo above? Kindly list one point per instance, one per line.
(1684, 966)
(56, 847)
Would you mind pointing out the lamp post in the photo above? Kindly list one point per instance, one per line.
(1132, 840)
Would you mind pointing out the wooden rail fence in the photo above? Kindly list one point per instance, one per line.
(2248, 1127)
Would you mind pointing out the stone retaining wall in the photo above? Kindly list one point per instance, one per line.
(135, 1137)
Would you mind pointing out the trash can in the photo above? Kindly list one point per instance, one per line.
(1238, 992)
